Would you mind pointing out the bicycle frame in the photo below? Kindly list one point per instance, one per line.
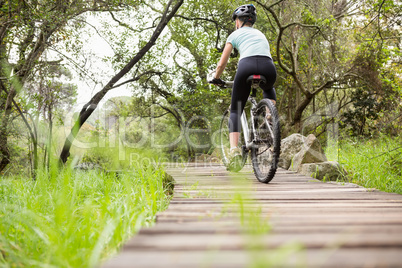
(264, 146)
(248, 141)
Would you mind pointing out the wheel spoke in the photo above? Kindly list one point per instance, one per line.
(266, 151)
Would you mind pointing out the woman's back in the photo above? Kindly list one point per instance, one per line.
(249, 42)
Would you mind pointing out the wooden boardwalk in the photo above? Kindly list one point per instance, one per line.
(217, 219)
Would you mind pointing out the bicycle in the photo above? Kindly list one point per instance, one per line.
(262, 138)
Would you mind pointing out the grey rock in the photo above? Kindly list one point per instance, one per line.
(311, 152)
(290, 146)
(329, 170)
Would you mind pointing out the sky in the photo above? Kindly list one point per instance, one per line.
(97, 48)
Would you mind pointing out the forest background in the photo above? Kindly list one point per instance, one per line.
(338, 63)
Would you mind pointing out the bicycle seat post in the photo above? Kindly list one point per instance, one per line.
(253, 92)
(255, 81)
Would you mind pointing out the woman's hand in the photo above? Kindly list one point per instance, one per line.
(218, 82)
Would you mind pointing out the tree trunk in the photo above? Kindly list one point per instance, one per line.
(5, 120)
(4, 139)
(88, 108)
(4, 152)
(299, 111)
(49, 150)
(35, 158)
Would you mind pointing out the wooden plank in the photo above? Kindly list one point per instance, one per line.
(231, 227)
(284, 202)
(191, 242)
(312, 205)
(323, 258)
(292, 220)
(302, 196)
(311, 223)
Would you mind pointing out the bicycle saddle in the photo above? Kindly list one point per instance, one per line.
(259, 79)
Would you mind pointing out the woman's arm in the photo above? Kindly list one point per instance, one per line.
(224, 60)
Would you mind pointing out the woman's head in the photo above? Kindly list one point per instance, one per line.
(243, 21)
(246, 14)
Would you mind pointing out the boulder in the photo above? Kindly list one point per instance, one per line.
(290, 146)
(311, 152)
(306, 156)
(88, 166)
(329, 170)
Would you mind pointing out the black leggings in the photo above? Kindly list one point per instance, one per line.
(260, 65)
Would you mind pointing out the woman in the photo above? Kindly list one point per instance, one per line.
(255, 58)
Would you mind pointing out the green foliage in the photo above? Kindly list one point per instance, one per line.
(194, 42)
(73, 218)
(365, 111)
(374, 163)
(337, 51)
(376, 96)
(30, 29)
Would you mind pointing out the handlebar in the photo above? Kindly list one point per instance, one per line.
(219, 82)
(227, 84)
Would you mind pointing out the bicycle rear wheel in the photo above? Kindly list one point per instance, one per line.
(225, 144)
(267, 137)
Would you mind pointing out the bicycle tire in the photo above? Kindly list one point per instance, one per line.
(266, 150)
(225, 144)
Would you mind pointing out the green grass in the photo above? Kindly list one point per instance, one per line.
(375, 163)
(75, 219)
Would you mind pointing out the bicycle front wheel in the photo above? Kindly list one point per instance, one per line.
(225, 145)
(267, 141)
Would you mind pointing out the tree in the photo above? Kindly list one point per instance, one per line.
(307, 49)
(170, 10)
(179, 82)
(27, 29)
(48, 96)
(377, 87)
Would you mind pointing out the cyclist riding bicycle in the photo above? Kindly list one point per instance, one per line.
(255, 59)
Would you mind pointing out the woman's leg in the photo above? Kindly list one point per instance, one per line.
(241, 90)
(240, 93)
(234, 139)
(269, 71)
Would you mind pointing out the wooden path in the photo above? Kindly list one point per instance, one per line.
(217, 219)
